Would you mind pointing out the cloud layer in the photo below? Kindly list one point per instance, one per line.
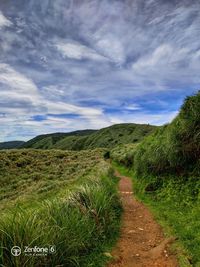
(67, 65)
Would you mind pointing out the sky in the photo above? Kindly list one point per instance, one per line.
(78, 64)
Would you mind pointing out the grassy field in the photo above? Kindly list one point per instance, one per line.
(65, 199)
(165, 168)
(37, 173)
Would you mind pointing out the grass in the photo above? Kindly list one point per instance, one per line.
(176, 210)
(81, 219)
(174, 148)
(124, 154)
(37, 174)
(177, 220)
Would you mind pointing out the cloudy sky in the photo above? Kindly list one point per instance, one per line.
(76, 64)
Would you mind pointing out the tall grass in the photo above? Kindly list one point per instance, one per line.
(28, 175)
(174, 148)
(78, 225)
(124, 154)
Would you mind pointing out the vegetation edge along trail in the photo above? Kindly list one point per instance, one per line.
(141, 241)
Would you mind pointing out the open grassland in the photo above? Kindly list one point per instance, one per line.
(35, 174)
(166, 171)
(65, 199)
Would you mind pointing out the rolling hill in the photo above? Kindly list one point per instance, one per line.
(11, 144)
(48, 141)
(107, 137)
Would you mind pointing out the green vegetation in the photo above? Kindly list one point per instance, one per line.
(61, 198)
(166, 168)
(34, 174)
(48, 141)
(175, 148)
(11, 144)
(177, 208)
(89, 139)
(124, 154)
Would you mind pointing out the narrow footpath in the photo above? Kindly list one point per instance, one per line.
(141, 241)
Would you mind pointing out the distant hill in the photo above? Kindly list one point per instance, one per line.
(11, 144)
(89, 139)
(48, 141)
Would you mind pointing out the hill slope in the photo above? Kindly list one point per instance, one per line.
(11, 144)
(174, 148)
(47, 141)
(89, 139)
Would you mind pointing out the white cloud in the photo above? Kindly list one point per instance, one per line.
(132, 107)
(112, 48)
(16, 81)
(4, 22)
(78, 51)
(22, 92)
(168, 65)
(163, 56)
(61, 107)
(20, 99)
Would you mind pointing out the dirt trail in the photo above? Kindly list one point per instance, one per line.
(141, 242)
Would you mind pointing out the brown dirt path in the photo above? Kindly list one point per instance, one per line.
(141, 241)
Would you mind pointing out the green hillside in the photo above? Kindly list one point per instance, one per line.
(118, 134)
(166, 172)
(174, 148)
(31, 173)
(90, 139)
(11, 144)
(47, 141)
